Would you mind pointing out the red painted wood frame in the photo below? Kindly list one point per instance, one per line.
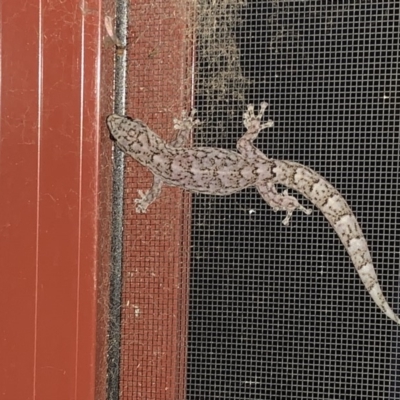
(55, 168)
(154, 301)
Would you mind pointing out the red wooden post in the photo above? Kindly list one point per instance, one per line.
(53, 199)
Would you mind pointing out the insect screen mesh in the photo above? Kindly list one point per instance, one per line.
(274, 312)
(279, 312)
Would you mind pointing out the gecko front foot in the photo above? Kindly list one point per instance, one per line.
(149, 196)
(184, 126)
(143, 202)
(187, 122)
(253, 122)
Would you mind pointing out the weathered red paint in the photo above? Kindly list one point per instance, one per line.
(154, 306)
(53, 201)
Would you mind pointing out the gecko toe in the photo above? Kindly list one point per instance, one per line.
(268, 124)
(286, 221)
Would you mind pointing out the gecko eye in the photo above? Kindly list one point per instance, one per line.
(122, 144)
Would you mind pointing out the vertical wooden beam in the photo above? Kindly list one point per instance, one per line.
(54, 197)
(156, 244)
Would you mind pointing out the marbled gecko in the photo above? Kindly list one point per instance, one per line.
(222, 172)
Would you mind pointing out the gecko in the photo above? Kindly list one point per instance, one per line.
(221, 172)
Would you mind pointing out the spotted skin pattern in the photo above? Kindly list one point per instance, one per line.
(222, 172)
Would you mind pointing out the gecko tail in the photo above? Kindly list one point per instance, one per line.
(376, 294)
(350, 234)
(341, 217)
(339, 214)
(349, 231)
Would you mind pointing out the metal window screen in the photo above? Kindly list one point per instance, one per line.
(274, 312)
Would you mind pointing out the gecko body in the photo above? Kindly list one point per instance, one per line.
(222, 172)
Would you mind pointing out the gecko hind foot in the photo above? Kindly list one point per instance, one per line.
(289, 214)
(281, 201)
(253, 121)
(290, 204)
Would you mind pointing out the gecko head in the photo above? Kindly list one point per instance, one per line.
(125, 130)
(118, 123)
(118, 126)
(113, 122)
